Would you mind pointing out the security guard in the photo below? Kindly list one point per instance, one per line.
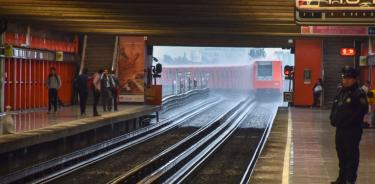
(349, 107)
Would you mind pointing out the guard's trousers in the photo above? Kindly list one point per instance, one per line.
(347, 147)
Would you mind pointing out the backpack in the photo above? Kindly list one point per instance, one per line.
(90, 83)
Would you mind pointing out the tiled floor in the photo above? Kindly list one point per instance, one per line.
(38, 118)
(313, 157)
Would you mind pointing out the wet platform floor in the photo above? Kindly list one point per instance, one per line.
(311, 155)
(39, 118)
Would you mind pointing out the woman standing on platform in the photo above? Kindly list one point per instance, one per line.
(96, 92)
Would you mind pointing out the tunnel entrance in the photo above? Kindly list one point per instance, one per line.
(256, 71)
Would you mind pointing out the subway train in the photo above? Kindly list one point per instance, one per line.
(267, 77)
(262, 76)
(235, 77)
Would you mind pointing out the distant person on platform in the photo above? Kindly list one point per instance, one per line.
(53, 84)
(347, 113)
(115, 89)
(366, 86)
(367, 89)
(106, 90)
(97, 88)
(317, 92)
(83, 90)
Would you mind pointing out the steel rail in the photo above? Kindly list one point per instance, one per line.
(147, 168)
(144, 137)
(95, 153)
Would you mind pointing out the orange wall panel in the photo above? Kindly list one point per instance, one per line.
(308, 55)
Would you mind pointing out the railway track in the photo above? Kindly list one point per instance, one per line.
(235, 160)
(176, 162)
(63, 165)
(107, 169)
(220, 146)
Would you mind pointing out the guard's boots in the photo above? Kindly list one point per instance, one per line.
(338, 181)
(342, 182)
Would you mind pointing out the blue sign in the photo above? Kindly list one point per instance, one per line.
(371, 30)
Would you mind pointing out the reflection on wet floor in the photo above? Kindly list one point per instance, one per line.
(39, 118)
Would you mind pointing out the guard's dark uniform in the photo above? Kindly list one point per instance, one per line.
(349, 107)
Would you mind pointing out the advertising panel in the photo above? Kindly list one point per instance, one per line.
(131, 67)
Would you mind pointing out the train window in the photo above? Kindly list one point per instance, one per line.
(307, 76)
(264, 71)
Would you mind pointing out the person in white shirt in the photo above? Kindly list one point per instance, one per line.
(53, 84)
(317, 91)
(106, 90)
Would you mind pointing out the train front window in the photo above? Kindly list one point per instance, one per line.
(264, 71)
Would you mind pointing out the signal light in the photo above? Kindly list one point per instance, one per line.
(286, 72)
(289, 72)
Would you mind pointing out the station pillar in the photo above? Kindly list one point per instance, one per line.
(308, 69)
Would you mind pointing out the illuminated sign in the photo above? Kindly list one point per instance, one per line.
(347, 52)
(335, 5)
(344, 12)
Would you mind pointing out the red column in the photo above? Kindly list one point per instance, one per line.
(308, 55)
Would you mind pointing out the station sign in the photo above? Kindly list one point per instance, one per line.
(347, 52)
(338, 30)
(338, 12)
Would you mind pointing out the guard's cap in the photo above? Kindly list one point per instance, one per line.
(348, 71)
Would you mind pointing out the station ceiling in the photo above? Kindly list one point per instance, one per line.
(166, 22)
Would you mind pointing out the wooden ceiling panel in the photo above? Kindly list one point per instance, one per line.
(223, 19)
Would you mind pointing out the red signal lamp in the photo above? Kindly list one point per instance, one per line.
(286, 72)
(347, 52)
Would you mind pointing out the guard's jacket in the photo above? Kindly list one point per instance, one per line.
(349, 107)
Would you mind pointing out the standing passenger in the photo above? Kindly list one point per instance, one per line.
(317, 91)
(349, 107)
(106, 89)
(83, 90)
(366, 86)
(53, 84)
(96, 92)
(115, 89)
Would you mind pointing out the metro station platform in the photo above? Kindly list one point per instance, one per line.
(39, 118)
(301, 149)
(66, 131)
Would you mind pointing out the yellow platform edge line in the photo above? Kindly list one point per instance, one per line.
(287, 150)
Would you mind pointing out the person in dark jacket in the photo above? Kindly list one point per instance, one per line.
(115, 88)
(347, 113)
(83, 90)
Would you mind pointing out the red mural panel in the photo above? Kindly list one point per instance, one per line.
(25, 85)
